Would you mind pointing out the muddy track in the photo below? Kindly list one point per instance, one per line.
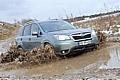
(100, 64)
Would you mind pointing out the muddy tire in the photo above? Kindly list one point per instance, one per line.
(49, 48)
(50, 51)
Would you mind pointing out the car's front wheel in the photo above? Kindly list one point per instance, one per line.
(49, 48)
(50, 51)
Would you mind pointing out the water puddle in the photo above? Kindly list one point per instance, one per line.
(114, 60)
(105, 58)
(71, 64)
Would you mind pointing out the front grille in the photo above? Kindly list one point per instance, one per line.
(81, 36)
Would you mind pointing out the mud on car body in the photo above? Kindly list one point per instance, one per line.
(58, 34)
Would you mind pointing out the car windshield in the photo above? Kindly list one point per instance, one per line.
(52, 26)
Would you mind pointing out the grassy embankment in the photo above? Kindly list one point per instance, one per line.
(7, 30)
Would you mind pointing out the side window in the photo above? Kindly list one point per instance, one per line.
(34, 28)
(27, 30)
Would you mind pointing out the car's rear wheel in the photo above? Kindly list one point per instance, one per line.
(20, 49)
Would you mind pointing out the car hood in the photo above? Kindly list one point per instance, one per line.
(70, 32)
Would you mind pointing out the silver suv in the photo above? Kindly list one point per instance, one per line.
(63, 37)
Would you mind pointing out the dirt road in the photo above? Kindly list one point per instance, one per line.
(100, 64)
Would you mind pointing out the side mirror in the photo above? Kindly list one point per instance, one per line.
(40, 33)
(34, 33)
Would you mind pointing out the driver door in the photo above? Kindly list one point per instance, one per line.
(35, 38)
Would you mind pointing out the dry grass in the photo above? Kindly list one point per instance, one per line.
(7, 30)
(101, 22)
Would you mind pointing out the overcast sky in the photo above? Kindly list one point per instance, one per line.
(11, 10)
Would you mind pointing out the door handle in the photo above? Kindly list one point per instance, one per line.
(21, 39)
(29, 39)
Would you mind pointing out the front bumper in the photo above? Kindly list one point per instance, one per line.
(82, 47)
(70, 46)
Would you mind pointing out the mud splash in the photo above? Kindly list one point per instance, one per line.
(35, 56)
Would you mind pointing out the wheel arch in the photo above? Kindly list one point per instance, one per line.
(47, 42)
(19, 46)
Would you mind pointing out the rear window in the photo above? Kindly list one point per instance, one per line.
(27, 30)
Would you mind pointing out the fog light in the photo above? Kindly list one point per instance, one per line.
(63, 52)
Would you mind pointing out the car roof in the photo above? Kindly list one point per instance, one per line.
(53, 20)
(50, 21)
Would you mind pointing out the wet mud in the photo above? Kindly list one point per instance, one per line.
(99, 62)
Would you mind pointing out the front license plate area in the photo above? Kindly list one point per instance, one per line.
(85, 42)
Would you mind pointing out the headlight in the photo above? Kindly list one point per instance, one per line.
(62, 37)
